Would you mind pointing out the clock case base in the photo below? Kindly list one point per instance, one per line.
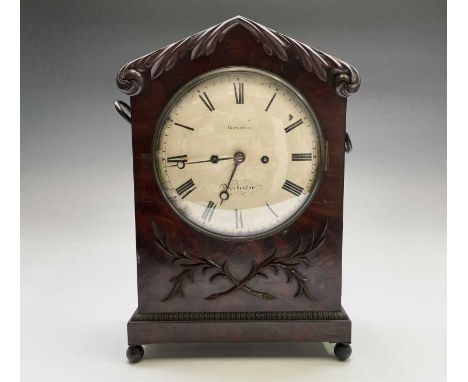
(182, 327)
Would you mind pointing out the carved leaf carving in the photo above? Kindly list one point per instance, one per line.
(131, 78)
(288, 264)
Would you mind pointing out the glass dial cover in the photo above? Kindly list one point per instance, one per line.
(238, 153)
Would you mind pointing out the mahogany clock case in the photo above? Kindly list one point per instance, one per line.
(284, 287)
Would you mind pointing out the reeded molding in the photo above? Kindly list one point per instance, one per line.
(242, 316)
(131, 80)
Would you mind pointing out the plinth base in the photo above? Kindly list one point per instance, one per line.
(151, 328)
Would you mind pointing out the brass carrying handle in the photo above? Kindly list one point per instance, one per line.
(348, 145)
(124, 110)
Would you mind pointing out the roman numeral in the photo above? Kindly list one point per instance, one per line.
(186, 188)
(239, 93)
(208, 213)
(239, 221)
(207, 101)
(179, 161)
(271, 210)
(292, 188)
(293, 125)
(301, 157)
(269, 103)
(185, 127)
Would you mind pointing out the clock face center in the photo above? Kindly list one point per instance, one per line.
(238, 113)
(239, 157)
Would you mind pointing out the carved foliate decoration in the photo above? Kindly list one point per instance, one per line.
(289, 263)
(131, 78)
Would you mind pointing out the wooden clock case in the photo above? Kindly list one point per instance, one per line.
(196, 288)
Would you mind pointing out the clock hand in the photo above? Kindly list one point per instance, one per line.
(224, 195)
(182, 162)
(213, 159)
(239, 157)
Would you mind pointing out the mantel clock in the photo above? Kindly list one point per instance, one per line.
(239, 137)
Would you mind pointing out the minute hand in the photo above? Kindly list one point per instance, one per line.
(212, 160)
(181, 161)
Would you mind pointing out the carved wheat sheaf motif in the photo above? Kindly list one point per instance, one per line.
(189, 265)
(130, 78)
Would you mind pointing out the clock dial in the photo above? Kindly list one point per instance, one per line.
(238, 153)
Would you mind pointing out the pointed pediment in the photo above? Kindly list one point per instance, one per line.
(345, 78)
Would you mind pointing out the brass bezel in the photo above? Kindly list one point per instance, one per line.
(215, 73)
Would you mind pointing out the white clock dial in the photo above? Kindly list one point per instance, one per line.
(238, 153)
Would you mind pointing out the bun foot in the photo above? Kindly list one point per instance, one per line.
(135, 353)
(342, 351)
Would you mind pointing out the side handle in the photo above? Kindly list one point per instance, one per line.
(124, 110)
(348, 145)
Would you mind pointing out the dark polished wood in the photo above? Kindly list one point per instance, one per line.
(147, 331)
(154, 270)
(342, 351)
(135, 353)
(160, 232)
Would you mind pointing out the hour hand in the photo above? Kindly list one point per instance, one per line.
(224, 195)
(239, 157)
